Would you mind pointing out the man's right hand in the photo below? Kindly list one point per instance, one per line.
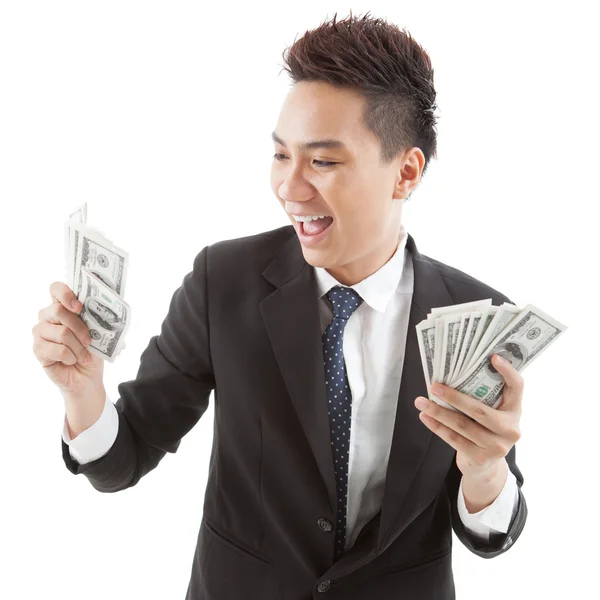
(59, 343)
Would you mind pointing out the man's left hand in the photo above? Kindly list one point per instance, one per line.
(482, 436)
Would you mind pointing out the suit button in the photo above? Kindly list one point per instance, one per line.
(323, 586)
(324, 524)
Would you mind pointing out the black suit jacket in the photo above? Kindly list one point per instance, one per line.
(245, 324)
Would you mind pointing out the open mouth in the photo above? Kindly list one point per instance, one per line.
(313, 238)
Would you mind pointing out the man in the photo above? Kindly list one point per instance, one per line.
(325, 477)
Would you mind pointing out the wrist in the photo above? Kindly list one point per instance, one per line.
(480, 489)
(84, 409)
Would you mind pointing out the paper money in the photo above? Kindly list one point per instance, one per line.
(503, 315)
(453, 322)
(105, 313)
(96, 271)
(457, 342)
(79, 215)
(100, 257)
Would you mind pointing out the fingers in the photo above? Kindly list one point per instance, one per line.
(56, 313)
(514, 385)
(61, 335)
(463, 402)
(63, 294)
(49, 353)
(460, 423)
(513, 378)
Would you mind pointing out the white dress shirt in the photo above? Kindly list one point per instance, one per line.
(374, 345)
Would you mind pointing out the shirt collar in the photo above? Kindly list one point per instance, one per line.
(377, 289)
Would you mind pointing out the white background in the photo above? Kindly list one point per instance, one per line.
(159, 115)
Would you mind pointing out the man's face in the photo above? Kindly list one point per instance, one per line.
(364, 198)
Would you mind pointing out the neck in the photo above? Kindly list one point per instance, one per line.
(355, 272)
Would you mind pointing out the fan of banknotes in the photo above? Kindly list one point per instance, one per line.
(96, 271)
(457, 342)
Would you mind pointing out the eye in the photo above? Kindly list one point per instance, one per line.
(322, 163)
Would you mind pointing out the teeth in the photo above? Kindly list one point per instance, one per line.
(308, 218)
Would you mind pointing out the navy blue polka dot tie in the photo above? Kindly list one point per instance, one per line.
(344, 302)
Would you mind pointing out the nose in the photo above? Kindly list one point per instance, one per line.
(294, 184)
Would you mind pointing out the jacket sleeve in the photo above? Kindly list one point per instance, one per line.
(498, 542)
(168, 396)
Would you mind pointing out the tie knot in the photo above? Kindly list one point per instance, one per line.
(344, 301)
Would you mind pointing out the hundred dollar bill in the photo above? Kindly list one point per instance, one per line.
(478, 330)
(105, 313)
(430, 336)
(100, 257)
(525, 337)
(88, 249)
(450, 333)
(475, 324)
(453, 351)
(501, 319)
(447, 331)
(426, 339)
(467, 324)
(459, 308)
(429, 340)
(438, 355)
(79, 215)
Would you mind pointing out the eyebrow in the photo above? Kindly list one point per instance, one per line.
(312, 144)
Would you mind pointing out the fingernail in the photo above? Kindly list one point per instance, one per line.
(499, 359)
(87, 341)
(421, 402)
(75, 304)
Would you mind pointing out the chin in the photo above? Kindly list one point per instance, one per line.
(313, 259)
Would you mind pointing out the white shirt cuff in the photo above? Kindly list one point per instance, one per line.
(497, 516)
(96, 440)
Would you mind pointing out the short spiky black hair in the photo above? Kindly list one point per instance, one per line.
(385, 65)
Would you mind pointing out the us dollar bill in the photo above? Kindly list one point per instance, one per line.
(459, 308)
(89, 250)
(468, 326)
(105, 313)
(100, 257)
(429, 337)
(504, 315)
(523, 340)
(479, 329)
(426, 340)
(459, 346)
(452, 324)
(79, 215)
(447, 330)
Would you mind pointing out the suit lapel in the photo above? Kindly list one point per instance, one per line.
(419, 459)
(291, 316)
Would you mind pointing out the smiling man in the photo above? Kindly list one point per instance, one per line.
(328, 162)
(331, 473)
